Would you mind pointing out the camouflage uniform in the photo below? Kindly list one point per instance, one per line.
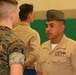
(10, 46)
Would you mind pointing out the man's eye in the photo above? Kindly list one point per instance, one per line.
(46, 26)
(51, 25)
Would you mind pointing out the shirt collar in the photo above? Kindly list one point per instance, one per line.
(62, 43)
(5, 28)
(24, 23)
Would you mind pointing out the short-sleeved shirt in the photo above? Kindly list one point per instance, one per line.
(11, 50)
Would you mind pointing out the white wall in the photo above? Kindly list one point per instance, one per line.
(42, 5)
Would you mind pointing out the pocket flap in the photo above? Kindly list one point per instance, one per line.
(59, 59)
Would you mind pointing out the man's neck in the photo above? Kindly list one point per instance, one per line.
(6, 23)
(56, 40)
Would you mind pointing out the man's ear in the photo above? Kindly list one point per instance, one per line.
(29, 15)
(12, 16)
(62, 27)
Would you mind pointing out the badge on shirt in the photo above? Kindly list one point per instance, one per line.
(60, 53)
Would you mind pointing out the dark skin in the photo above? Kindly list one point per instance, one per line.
(54, 30)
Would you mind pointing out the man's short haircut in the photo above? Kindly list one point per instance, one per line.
(25, 9)
(6, 7)
(14, 2)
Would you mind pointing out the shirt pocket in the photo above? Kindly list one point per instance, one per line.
(59, 60)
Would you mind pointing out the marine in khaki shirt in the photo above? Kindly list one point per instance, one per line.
(28, 35)
(58, 61)
(57, 56)
(31, 39)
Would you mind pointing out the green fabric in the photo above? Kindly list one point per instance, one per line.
(70, 28)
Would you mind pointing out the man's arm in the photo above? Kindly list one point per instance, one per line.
(16, 62)
(39, 73)
(73, 58)
(35, 45)
(16, 69)
(38, 67)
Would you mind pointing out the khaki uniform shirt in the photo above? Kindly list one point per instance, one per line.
(11, 50)
(31, 39)
(59, 61)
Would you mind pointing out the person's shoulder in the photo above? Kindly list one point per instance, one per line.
(16, 44)
(33, 31)
(18, 27)
(71, 41)
(45, 43)
(44, 48)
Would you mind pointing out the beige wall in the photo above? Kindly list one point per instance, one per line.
(50, 4)
(41, 6)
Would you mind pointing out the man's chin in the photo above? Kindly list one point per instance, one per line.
(49, 38)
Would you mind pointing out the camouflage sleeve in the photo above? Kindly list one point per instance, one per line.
(16, 57)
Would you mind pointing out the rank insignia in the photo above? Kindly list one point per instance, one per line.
(60, 53)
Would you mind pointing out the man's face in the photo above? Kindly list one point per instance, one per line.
(54, 29)
(32, 16)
